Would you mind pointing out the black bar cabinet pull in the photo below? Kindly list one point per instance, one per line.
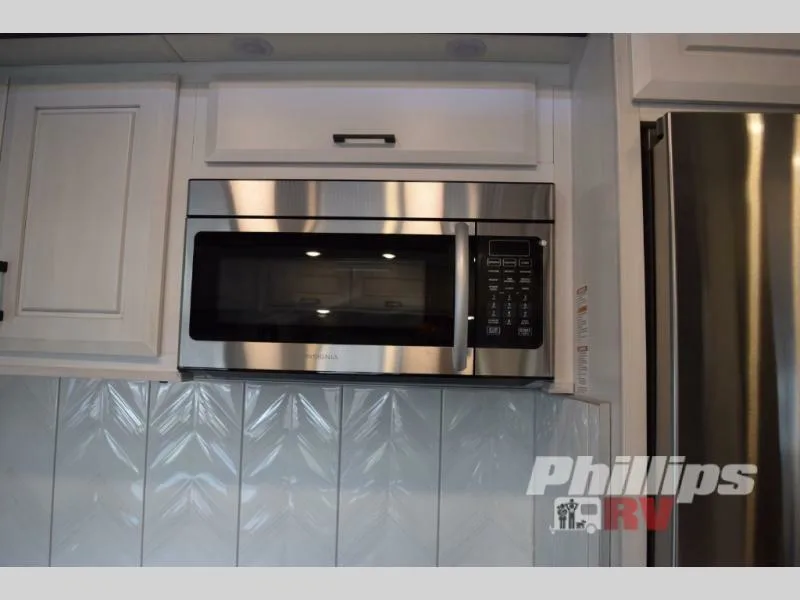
(3, 269)
(387, 138)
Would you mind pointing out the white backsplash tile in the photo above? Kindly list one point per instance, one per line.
(290, 466)
(487, 453)
(562, 429)
(594, 424)
(27, 448)
(266, 473)
(99, 475)
(389, 476)
(192, 488)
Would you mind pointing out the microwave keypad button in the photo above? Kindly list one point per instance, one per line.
(525, 263)
(509, 262)
(493, 330)
(493, 262)
(524, 331)
(525, 280)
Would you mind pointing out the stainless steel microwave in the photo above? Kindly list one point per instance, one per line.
(369, 277)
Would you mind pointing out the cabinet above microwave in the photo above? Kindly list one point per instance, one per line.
(373, 122)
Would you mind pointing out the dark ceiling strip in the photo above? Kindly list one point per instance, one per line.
(24, 36)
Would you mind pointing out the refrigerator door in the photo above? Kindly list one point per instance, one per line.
(726, 273)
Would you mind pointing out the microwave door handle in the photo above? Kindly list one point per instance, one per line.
(461, 301)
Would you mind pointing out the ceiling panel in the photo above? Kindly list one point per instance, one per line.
(245, 47)
(61, 49)
(95, 49)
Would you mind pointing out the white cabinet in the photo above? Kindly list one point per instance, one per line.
(726, 68)
(84, 177)
(432, 123)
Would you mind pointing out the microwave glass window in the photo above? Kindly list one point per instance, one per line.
(323, 288)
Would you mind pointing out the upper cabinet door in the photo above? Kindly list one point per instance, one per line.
(372, 123)
(729, 68)
(84, 176)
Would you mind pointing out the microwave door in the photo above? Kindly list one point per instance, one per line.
(327, 295)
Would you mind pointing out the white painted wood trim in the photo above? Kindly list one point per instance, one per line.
(3, 102)
(89, 369)
(542, 174)
(671, 67)
(654, 111)
(541, 73)
(763, 43)
(173, 272)
(158, 222)
(563, 232)
(562, 388)
(633, 397)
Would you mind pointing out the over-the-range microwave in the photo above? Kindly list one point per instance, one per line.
(413, 278)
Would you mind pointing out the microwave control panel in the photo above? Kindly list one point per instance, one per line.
(509, 293)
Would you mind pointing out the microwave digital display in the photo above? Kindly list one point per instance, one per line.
(509, 248)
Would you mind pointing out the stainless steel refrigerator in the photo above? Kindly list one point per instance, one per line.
(722, 224)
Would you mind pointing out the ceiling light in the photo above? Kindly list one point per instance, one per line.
(252, 46)
(466, 48)
(312, 253)
(388, 256)
(323, 311)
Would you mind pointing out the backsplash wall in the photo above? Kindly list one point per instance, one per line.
(96, 472)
